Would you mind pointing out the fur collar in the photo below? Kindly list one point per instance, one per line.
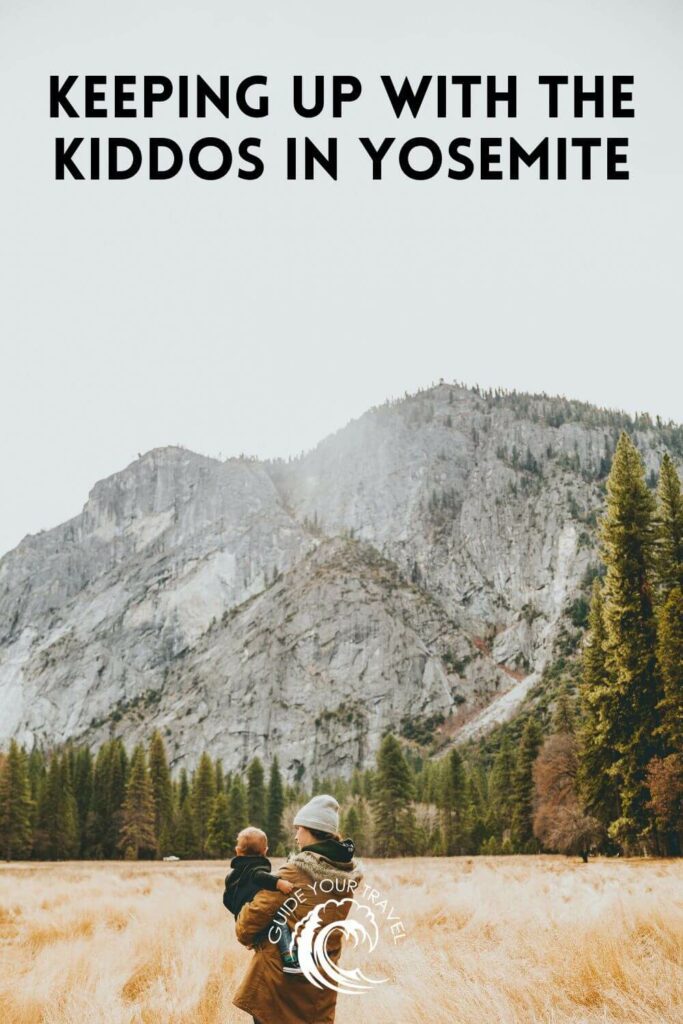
(318, 867)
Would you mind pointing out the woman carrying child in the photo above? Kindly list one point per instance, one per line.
(270, 994)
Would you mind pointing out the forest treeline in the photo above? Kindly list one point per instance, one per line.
(607, 776)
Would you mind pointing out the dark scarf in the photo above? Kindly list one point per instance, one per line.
(340, 852)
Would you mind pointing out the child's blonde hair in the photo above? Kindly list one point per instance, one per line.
(251, 841)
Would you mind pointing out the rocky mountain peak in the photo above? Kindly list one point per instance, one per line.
(418, 566)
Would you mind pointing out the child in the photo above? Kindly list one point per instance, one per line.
(251, 873)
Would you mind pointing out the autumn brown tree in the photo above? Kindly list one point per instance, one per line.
(560, 822)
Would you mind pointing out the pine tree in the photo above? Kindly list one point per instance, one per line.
(185, 844)
(563, 717)
(220, 841)
(668, 557)
(203, 796)
(669, 582)
(257, 794)
(522, 833)
(68, 811)
(15, 805)
(475, 829)
(36, 774)
(597, 782)
(219, 776)
(97, 812)
(351, 825)
(237, 804)
(183, 787)
(502, 774)
(162, 791)
(118, 783)
(83, 772)
(369, 776)
(429, 785)
(627, 546)
(670, 665)
(276, 806)
(57, 835)
(453, 805)
(108, 793)
(392, 801)
(362, 836)
(137, 836)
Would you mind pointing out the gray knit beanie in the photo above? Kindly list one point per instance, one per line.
(321, 813)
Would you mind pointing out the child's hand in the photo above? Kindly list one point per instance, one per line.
(284, 886)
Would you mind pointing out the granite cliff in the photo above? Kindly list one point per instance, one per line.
(415, 571)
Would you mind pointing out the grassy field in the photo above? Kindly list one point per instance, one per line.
(489, 941)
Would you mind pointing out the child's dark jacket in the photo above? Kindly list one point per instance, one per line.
(248, 876)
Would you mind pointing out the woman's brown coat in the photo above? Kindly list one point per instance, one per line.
(266, 993)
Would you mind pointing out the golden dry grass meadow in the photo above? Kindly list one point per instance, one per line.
(489, 941)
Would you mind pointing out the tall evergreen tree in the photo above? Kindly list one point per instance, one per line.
(219, 775)
(220, 840)
(670, 665)
(36, 774)
(475, 826)
(185, 842)
(357, 826)
(256, 790)
(108, 793)
(502, 774)
(627, 536)
(563, 716)
(453, 805)
(522, 832)
(669, 581)
(118, 784)
(203, 796)
(15, 805)
(83, 772)
(183, 787)
(237, 805)
(356, 783)
(351, 825)
(100, 812)
(96, 821)
(57, 836)
(392, 801)
(429, 783)
(68, 811)
(597, 782)
(369, 776)
(162, 791)
(668, 556)
(276, 806)
(137, 837)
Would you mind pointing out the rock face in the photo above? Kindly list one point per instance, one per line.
(412, 572)
(94, 612)
(316, 667)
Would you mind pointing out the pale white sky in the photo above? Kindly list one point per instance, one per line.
(258, 316)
